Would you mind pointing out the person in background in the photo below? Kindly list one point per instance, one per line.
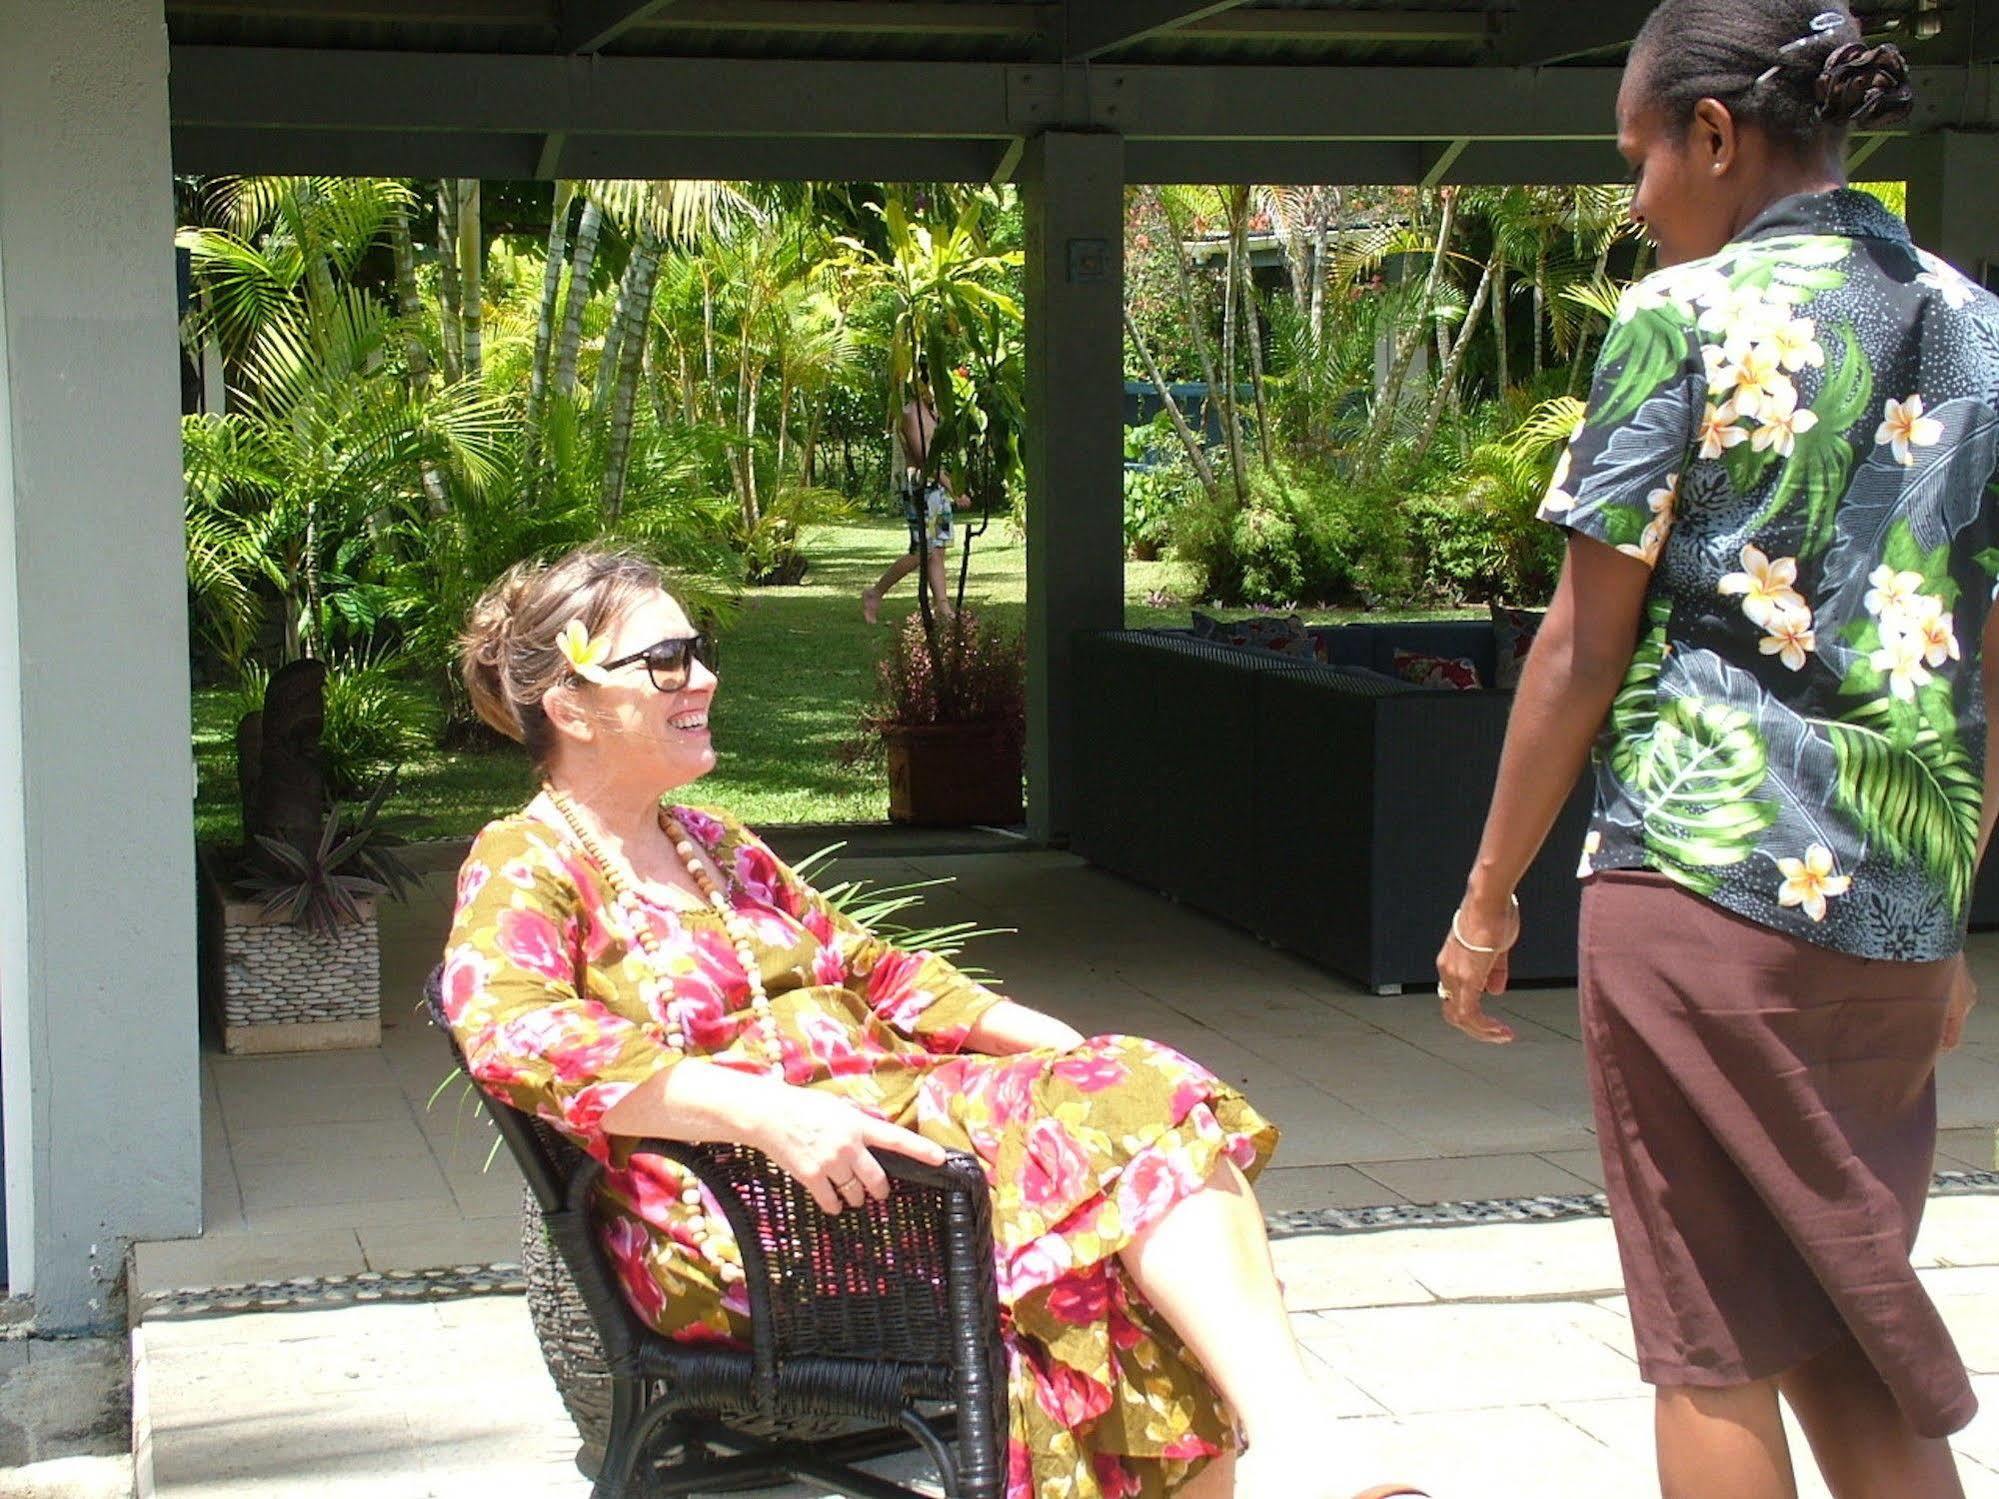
(927, 503)
(1775, 620)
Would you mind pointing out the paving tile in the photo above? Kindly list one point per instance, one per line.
(1974, 1146)
(355, 1215)
(1587, 1164)
(1526, 1453)
(431, 1246)
(1575, 1257)
(219, 1261)
(277, 1108)
(1297, 1189)
(1452, 1110)
(1475, 1178)
(1318, 1129)
(339, 1179)
(304, 1144)
(1959, 1231)
(1431, 1358)
(1326, 1272)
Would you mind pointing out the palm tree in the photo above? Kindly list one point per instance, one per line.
(325, 437)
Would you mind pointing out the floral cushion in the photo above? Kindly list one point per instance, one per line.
(1455, 674)
(1513, 633)
(1285, 634)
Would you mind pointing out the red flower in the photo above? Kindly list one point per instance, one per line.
(532, 941)
(1188, 1447)
(465, 975)
(1113, 1477)
(1081, 1299)
(471, 880)
(1148, 1187)
(626, 1243)
(1067, 1395)
(1090, 1073)
(760, 878)
(1056, 1171)
(584, 1113)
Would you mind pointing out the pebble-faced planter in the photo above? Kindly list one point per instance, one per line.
(278, 987)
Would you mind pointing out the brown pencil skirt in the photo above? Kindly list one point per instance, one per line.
(1767, 1115)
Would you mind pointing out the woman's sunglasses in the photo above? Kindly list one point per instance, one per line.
(667, 661)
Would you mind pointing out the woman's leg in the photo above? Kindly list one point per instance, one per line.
(1722, 1443)
(871, 598)
(1865, 1447)
(1206, 1267)
(940, 583)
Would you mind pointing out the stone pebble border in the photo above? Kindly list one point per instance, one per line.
(504, 1278)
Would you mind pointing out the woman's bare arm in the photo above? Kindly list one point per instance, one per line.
(1579, 660)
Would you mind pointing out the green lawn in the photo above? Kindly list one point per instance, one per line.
(796, 665)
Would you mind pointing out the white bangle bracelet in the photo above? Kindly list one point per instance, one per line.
(1458, 936)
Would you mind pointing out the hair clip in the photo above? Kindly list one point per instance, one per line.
(1824, 21)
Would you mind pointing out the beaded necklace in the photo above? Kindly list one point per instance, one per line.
(623, 880)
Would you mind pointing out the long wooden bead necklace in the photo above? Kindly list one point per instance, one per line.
(623, 880)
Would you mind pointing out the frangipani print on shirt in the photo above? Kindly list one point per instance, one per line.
(1798, 435)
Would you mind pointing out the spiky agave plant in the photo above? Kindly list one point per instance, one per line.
(321, 888)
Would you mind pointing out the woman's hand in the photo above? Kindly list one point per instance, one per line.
(825, 1142)
(1963, 995)
(1465, 976)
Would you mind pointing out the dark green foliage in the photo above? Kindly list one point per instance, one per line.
(321, 887)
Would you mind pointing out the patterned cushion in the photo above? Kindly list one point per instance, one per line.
(1456, 675)
(1284, 634)
(1513, 633)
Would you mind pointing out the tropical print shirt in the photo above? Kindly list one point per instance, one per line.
(1797, 435)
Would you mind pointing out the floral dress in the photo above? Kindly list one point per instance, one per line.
(1084, 1149)
(1797, 435)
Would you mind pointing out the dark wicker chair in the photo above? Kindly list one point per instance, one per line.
(872, 1331)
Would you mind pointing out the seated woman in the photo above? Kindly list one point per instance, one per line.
(625, 966)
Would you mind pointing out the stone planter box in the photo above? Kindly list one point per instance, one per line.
(274, 987)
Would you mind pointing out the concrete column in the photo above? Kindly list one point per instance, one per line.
(98, 1019)
(1952, 209)
(1073, 187)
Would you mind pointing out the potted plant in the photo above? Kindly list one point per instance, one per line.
(950, 718)
(295, 950)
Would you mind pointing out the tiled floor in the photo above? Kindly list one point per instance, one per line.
(376, 1159)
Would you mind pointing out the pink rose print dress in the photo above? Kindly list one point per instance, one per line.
(1085, 1149)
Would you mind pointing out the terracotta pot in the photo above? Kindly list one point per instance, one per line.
(953, 774)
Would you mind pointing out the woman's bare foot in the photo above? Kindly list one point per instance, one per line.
(871, 606)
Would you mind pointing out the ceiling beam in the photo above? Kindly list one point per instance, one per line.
(1438, 160)
(592, 25)
(873, 17)
(1548, 31)
(537, 96)
(1094, 27)
(1341, 26)
(211, 150)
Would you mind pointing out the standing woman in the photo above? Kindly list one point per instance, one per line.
(1773, 622)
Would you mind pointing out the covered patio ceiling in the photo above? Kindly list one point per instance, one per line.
(1451, 91)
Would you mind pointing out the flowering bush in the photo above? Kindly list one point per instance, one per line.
(959, 670)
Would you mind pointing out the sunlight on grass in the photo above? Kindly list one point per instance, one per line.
(796, 666)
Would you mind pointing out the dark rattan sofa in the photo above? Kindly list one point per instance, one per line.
(1324, 807)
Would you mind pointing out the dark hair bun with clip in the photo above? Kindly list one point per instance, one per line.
(1862, 85)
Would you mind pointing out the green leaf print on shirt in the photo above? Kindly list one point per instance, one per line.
(1648, 350)
(1693, 768)
(1819, 468)
(1697, 788)
(1916, 803)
